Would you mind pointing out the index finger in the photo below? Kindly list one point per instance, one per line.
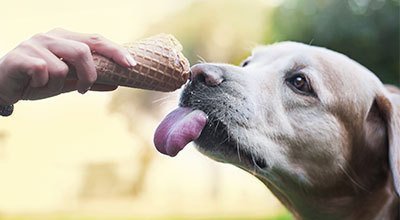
(100, 45)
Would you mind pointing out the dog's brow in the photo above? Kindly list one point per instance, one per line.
(295, 67)
(259, 50)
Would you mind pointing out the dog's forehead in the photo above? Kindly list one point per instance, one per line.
(334, 72)
(331, 64)
(280, 49)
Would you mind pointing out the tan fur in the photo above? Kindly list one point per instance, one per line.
(334, 156)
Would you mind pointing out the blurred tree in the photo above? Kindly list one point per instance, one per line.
(3, 137)
(99, 180)
(365, 30)
(140, 113)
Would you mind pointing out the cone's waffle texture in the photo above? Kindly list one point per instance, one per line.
(161, 66)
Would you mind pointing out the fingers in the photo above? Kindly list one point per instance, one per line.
(79, 55)
(38, 72)
(100, 45)
(46, 73)
(33, 70)
(36, 69)
(23, 65)
(57, 70)
(19, 73)
(77, 49)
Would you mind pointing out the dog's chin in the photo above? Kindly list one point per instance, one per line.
(217, 143)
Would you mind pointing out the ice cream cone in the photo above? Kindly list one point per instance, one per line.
(161, 66)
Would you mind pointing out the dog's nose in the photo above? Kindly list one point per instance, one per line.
(209, 74)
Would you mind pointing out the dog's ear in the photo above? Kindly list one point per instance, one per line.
(386, 109)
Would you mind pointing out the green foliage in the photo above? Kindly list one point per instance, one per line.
(365, 30)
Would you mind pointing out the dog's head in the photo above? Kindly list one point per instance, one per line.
(300, 118)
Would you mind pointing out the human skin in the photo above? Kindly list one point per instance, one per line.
(38, 67)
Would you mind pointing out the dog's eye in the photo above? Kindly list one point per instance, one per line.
(300, 83)
(245, 63)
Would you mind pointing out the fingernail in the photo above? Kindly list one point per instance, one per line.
(130, 60)
(83, 91)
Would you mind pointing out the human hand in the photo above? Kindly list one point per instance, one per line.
(38, 68)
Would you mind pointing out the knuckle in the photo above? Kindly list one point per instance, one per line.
(96, 39)
(42, 37)
(82, 50)
(61, 71)
(26, 45)
(38, 65)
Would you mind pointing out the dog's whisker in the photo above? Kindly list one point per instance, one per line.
(165, 102)
(237, 149)
(254, 170)
(224, 141)
(163, 99)
(355, 182)
(201, 59)
(216, 127)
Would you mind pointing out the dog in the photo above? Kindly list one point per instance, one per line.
(318, 129)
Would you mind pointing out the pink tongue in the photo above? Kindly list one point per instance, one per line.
(179, 128)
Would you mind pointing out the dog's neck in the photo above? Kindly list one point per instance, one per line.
(367, 192)
(341, 202)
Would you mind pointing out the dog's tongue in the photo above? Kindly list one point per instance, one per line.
(178, 129)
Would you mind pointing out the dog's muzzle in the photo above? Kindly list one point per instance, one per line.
(185, 124)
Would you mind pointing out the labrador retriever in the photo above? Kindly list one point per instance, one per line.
(317, 128)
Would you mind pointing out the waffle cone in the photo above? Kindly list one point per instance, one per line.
(161, 66)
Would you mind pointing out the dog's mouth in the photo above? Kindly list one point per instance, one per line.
(184, 125)
(205, 123)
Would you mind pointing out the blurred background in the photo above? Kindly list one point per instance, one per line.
(92, 157)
